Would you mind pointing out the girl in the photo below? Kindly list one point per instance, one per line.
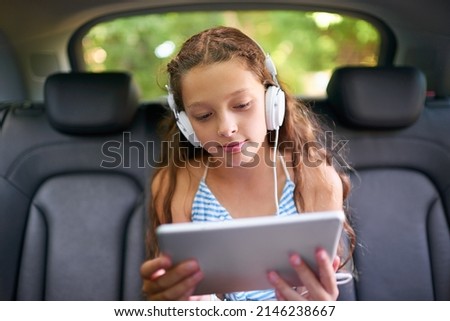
(237, 124)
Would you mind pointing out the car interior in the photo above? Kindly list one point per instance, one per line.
(77, 150)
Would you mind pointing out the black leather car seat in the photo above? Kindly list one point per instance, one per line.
(73, 177)
(400, 200)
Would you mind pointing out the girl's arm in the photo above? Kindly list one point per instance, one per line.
(162, 280)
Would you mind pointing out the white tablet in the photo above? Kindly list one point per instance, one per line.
(236, 255)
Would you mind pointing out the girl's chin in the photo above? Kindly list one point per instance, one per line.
(246, 155)
(234, 160)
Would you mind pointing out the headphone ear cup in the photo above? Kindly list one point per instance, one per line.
(275, 107)
(183, 123)
(185, 127)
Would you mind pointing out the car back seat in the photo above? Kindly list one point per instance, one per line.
(73, 178)
(400, 201)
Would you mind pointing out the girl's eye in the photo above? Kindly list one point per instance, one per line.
(243, 106)
(202, 117)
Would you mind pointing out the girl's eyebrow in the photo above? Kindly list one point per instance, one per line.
(229, 96)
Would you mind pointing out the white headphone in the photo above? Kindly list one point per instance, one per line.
(275, 107)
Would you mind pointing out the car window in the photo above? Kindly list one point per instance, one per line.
(306, 46)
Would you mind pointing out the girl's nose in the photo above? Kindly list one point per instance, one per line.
(227, 127)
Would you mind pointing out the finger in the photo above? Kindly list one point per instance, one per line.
(151, 270)
(180, 291)
(175, 282)
(279, 296)
(309, 279)
(150, 267)
(283, 290)
(336, 263)
(327, 273)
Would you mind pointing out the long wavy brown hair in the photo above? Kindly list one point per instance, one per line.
(300, 126)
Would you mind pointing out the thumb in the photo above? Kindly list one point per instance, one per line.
(336, 263)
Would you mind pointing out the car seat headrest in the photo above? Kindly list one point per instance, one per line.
(90, 103)
(377, 97)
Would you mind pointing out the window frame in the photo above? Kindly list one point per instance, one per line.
(386, 54)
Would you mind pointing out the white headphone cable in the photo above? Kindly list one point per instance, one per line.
(343, 278)
(275, 178)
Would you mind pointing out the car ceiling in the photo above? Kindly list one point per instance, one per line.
(18, 18)
(47, 25)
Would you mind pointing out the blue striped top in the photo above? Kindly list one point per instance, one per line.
(206, 208)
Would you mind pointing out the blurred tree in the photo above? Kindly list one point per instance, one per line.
(306, 46)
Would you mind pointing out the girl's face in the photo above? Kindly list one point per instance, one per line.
(225, 103)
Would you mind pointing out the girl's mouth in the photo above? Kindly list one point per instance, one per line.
(233, 147)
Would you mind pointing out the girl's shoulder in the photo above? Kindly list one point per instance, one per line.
(182, 182)
(178, 174)
(322, 187)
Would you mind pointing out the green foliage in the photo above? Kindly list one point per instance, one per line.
(306, 46)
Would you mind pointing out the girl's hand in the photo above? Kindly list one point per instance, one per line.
(163, 281)
(321, 288)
